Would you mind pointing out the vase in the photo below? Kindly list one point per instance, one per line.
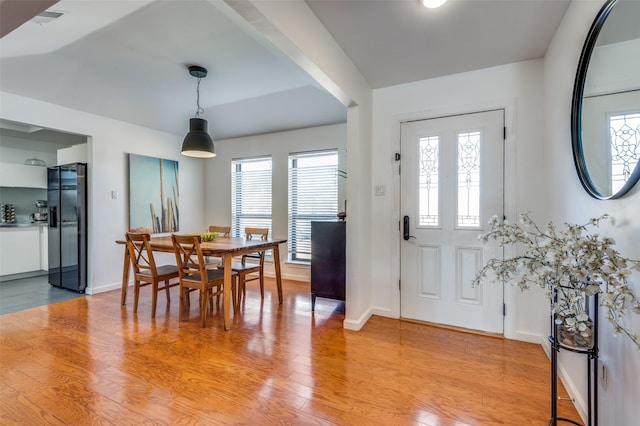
(574, 338)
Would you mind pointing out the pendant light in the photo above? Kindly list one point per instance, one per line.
(198, 143)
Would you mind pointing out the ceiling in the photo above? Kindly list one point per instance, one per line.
(128, 59)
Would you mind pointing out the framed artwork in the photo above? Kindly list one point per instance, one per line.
(153, 195)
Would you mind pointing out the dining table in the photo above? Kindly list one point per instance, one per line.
(224, 247)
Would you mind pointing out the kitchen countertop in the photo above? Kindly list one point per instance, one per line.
(22, 224)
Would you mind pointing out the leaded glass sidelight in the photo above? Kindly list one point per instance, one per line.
(469, 179)
(625, 147)
(428, 185)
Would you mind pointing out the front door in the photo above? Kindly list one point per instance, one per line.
(451, 184)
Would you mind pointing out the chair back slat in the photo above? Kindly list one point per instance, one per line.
(189, 257)
(251, 233)
(141, 254)
(256, 233)
(224, 231)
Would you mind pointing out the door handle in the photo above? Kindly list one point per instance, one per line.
(53, 217)
(405, 228)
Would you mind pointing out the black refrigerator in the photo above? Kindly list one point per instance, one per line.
(67, 201)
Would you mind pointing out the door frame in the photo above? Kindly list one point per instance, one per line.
(510, 200)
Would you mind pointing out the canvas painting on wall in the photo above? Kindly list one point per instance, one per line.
(153, 194)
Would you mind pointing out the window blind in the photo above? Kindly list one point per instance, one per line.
(250, 194)
(313, 195)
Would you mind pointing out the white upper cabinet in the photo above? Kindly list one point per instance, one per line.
(20, 175)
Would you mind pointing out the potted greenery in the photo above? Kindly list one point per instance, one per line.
(568, 263)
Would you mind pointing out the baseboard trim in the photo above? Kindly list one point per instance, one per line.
(104, 288)
(384, 313)
(357, 324)
(287, 276)
(525, 336)
(23, 275)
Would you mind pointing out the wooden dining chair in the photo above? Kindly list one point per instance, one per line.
(194, 275)
(251, 271)
(223, 231)
(146, 272)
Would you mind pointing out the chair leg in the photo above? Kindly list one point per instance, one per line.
(262, 284)
(240, 288)
(154, 298)
(136, 295)
(234, 294)
(203, 307)
(166, 288)
(184, 298)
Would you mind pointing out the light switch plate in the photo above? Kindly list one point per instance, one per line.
(380, 190)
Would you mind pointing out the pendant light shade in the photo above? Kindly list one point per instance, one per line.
(198, 143)
(433, 4)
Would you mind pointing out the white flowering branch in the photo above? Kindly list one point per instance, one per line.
(570, 263)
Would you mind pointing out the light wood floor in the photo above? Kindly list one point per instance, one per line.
(90, 361)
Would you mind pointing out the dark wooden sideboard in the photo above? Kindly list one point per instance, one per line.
(328, 252)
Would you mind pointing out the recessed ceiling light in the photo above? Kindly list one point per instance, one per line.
(432, 4)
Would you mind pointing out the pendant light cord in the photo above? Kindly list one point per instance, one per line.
(199, 110)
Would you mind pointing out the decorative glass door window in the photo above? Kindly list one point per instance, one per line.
(468, 179)
(429, 181)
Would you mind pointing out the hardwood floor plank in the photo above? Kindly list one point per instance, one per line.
(20, 410)
(92, 361)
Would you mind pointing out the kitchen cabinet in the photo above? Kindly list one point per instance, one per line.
(19, 250)
(20, 175)
(44, 248)
(328, 264)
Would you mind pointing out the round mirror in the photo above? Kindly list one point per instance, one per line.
(605, 110)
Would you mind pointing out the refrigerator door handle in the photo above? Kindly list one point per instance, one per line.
(53, 217)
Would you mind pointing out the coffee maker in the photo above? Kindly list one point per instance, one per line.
(41, 215)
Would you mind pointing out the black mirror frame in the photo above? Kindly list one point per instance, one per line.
(576, 111)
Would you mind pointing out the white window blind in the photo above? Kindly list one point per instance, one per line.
(313, 195)
(250, 194)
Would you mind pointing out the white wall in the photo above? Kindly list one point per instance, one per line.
(109, 142)
(278, 146)
(516, 88)
(569, 202)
